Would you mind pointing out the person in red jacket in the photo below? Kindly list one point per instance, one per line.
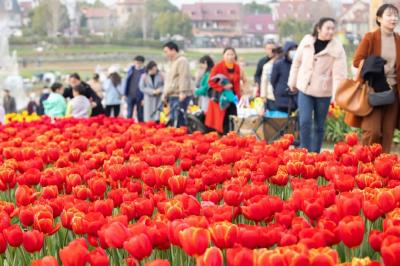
(217, 118)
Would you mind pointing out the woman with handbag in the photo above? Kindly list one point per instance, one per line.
(379, 125)
(217, 118)
(318, 67)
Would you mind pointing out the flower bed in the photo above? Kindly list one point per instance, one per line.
(105, 191)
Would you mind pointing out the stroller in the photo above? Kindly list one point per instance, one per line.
(269, 128)
(194, 121)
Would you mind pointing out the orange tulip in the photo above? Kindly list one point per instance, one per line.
(224, 234)
(212, 257)
(194, 240)
(177, 184)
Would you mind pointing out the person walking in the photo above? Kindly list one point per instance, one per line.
(269, 47)
(318, 68)
(134, 97)
(151, 85)
(55, 105)
(266, 88)
(9, 102)
(113, 93)
(202, 92)
(224, 79)
(177, 88)
(384, 43)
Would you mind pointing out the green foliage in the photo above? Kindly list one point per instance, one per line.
(159, 6)
(255, 8)
(49, 18)
(336, 128)
(173, 23)
(294, 29)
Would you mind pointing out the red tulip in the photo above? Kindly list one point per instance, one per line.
(114, 234)
(233, 195)
(45, 261)
(177, 184)
(3, 243)
(24, 195)
(44, 222)
(139, 246)
(371, 210)
(13, 235)
(211, 195)
(390, 250)
(212, 257)
(323, 256)
(194, 241)
(98, 257)
(75, 253)
(351, 230)
(351, 139)
(343, 182)
(158, 262)
(386, 201)
(349, 203)
(33, 241)
(224, 234)
(375, 240)
(239, 257)
(384, 166)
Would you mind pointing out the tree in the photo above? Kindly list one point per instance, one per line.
(294, 29)
(172, 23)
(255, 8)
(49, 18)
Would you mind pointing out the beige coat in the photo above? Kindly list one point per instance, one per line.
(178, 78)
(318, 75)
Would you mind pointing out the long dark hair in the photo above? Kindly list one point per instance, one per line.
(115, 78)
(382, 9)
(208, 61)
(321, 23)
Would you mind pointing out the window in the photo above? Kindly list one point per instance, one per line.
(271, 26)
(193, 13)
(219, 12)
(259, 27)
(233, 12)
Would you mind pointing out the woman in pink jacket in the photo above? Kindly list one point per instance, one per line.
(317, 69)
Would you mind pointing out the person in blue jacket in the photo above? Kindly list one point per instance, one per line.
(279, 79)
(134, 96)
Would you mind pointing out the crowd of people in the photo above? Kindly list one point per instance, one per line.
(294, 76)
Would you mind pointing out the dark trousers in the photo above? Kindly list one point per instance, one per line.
(132, 103)
(178, 110)
(231, 110)
(114, 108)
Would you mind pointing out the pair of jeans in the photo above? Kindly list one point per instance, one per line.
(114, 108)
(178, 110)
(312, 116)
(132, 102)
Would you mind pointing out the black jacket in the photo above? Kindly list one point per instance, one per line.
(260, 65)
(373, 72)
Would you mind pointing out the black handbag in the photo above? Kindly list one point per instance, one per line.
(383, 98)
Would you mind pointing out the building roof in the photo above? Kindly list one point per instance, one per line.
(130, 2)
(9, 6)
(306, 10)
(259, 24)
(213, 11)
(97, 12)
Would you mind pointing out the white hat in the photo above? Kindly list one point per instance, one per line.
(113, 69)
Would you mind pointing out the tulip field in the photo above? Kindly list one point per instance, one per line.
(107, 191)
